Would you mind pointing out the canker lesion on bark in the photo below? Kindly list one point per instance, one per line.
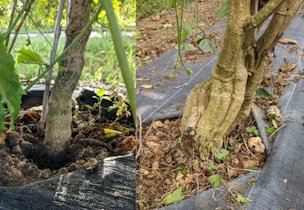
(214, 108)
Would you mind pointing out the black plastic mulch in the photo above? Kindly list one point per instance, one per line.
(280, 184)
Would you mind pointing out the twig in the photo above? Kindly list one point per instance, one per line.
(20, 25)
(11, 20)
(46, 92)
(282, 126)
(67, 49)
(139, 137)
(248, 148)
(12, 26)
(39, 30)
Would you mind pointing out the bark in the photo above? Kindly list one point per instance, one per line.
(59, 116)
(215, 107)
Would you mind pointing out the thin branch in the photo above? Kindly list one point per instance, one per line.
(39, 30)
(279, 22)
(12, 26)
(66, 50)
(11, 20)
(20, 25)
(257, 19)
(57, 31)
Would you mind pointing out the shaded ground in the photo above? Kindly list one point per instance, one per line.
(156, 32)
(21, 160)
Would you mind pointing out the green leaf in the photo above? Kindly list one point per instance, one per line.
(223, 10)
(212, 167)
(241, 199)
(27, 56)
(262, 92)
(171, 3)
(222, 154)
(270, 130)
(274, 123)
(100, 93)
(182, 170)
(186, 31)
(176, 195)
(10, 87)
(189, 71)
(253, 130)
(207, 46)
(215, 180)
(189, 47)
(250, 182)
(110, 133)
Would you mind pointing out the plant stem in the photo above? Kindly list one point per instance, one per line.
(121, 55)
(11, 27)
(20, 25)
(73, 44)
(11, 20)
(46, 92)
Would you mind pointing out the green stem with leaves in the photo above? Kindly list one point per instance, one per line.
(73, 44)
(12, 26)
(12, 16)
(121, 55)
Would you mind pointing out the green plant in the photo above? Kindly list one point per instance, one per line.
(241, 199)
(181, 169)
(273, 128)
(176, 195)
(98, 105)
(222, 154)
(184, 29)
(145, 8)
(212, 167)
(252, 131)
(121, 55)
(215, 180)
(223, 9)
(10, 87)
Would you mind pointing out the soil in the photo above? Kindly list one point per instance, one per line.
(157, 32)
(165, 163)
(22, 160)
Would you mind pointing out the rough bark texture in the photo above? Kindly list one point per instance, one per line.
(215, 107)
(59, 116)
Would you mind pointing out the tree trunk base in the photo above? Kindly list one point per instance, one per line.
(210, 110)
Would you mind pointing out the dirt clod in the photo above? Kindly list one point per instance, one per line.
(45, 174)
(73, 167)
(63, 170)
(256, 145)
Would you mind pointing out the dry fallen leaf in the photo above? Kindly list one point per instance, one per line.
(167, 25)
(152, 138)
(288, 41)
(155, 17)
(144, 172)
(250, 163)
(157, 124)
(147, 86)
(268, 80)
(128, 145)
(288, 67)
(2, 138)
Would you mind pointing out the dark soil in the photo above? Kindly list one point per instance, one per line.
(22, 159)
